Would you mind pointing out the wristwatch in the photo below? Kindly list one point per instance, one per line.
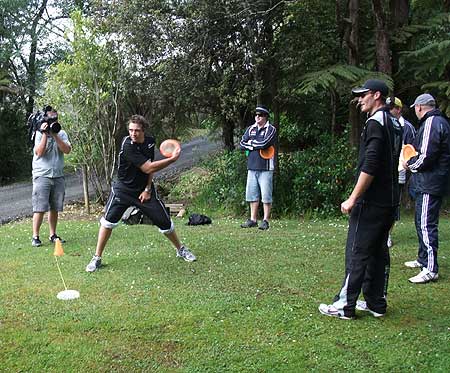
(147, 189)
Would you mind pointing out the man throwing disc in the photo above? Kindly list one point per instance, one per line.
(135, 187)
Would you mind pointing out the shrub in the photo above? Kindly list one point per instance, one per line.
(218, 185)
(185, 188)
(15, 151)
(313, 181)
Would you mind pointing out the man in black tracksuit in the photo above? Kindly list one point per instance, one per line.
(372, 206)
(430, 170)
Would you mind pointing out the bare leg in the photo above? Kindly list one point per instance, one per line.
(103, 237)
(37, 222)
(185, 253)
(267, 207)
(52, 221)
(254, 210)
(174, 239)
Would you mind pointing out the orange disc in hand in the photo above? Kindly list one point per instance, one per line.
(168, 146)
(267, 153)
(408, 152)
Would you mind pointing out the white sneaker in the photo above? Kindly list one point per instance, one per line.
(424, 276)
(186, 254)
(94, 264)
(389, 242)
(413, 264)
(330, 310)
(362, 306)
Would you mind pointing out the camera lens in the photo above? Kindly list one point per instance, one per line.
(55, 127)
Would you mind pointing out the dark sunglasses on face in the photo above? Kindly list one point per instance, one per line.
(366, 93)
(259, 115)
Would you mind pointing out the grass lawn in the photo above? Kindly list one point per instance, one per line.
(249, 304)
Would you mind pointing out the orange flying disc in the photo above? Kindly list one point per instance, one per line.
(168, 146)
(408, 152)
(267, 153)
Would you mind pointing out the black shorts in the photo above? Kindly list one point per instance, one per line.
(121, 198)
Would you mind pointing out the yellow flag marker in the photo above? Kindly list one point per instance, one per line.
(58, 248)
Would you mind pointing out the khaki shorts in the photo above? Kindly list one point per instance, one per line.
(48, 194)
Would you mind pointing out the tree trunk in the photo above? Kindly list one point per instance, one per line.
(355, 129)
(382, 38)
(352, 34)
(228, 134)
(399, 18)
(87, 204)
(399, 13)
(333, 105)
(340, 25)
(265, 74)
(352, 40)
(31, 68)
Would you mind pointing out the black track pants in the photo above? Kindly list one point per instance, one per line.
(366, 256)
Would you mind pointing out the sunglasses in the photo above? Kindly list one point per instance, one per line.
(366, 93)
(259, 115)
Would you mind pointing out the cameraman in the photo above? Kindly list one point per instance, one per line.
(50, 145)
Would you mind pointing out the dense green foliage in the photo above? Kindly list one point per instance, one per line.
(218, 185)
(31, 40)
(249, 304)
(313, 181)
(14, 150)
(87, 88)
(184, 63)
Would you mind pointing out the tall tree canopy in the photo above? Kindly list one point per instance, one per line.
(186, 63)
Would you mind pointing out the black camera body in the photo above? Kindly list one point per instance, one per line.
(51, 118)
(46, 115)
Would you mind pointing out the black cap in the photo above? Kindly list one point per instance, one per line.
(260, 109)
(372, 85)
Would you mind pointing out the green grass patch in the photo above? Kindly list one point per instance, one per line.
(249, 304)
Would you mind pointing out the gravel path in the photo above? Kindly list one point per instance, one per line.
(15, 199)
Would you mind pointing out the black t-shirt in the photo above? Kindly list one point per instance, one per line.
(131, 157)
(379, 152)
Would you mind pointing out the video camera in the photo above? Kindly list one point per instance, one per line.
(49, 116)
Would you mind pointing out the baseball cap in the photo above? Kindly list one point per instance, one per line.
(424, 99)
(395, 102)
(262, 110)
(372, 85)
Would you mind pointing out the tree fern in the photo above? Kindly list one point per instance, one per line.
(432, 59)
(442, 89)
(329, 79)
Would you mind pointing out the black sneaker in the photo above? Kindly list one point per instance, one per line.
(249, 224)
(264, 225)
(55, 237)
(36, 242)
